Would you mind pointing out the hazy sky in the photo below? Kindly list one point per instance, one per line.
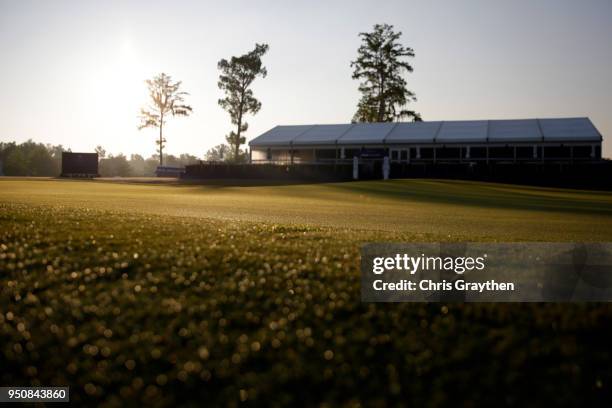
(72, 72)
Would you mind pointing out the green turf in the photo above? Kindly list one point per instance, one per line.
(173, 294)
(463, 210)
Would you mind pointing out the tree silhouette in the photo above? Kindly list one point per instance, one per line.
(236, 77)
(101, 152)
(379, 65)
(218, 153)
(166, 100)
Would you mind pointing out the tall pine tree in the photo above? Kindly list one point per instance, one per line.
(380, 65)
(235, 80)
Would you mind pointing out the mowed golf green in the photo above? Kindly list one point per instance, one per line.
(165, 293)
(459, 209)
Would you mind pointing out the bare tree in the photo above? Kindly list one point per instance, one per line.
(101, 152)
(166, 100)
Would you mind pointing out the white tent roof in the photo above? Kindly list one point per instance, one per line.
(465, 131)
(568, 129)
(518, 130)
(280, 135)
(321, 134)
(416, 132)
(366, 133)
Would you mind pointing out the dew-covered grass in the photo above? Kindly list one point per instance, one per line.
(459, 209)
(171, 295)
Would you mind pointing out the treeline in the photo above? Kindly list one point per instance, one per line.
(30, 159)
(45, 160)
(136, 165)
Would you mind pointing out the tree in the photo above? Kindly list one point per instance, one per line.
(217, 153)
(30, 159)
(150, 165)
(166, 100)
(235, 80)
(379, 65)
(115, 166)
(101, 152)
(187, 159)
(137, 165)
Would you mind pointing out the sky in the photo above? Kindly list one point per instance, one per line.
(72, 72)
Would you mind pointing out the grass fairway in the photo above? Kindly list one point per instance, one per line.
(457, 210)
(165, 293)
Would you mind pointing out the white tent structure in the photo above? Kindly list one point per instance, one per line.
(561, 139)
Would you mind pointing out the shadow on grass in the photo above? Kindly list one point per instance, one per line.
(476, 194)
(218, 183)
(453, 192)
(486, 195)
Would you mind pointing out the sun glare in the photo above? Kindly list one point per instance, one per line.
(118, 81)
(116, 90)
